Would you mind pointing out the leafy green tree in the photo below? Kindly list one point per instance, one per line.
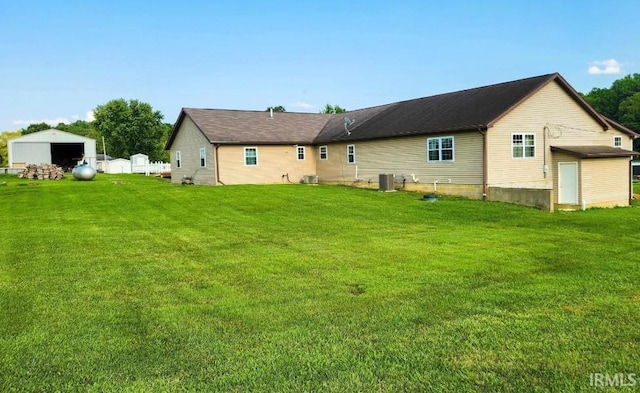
(80, 127)
(328, 108)
(620, 102)
(37, 127)
(131, 127)
(604, 101)
(629, 116)
(278, 108)
(4, 139)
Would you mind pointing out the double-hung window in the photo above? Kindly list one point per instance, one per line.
(250, 156)
(523, 145)
(300, 153)
(351, 154)
(440, 149)
(178, 159)
(203, 157)
(617, 141)
(324, 152)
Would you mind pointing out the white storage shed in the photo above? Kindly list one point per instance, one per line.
(118, 165)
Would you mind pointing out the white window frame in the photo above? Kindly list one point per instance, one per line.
(203, 157)
(245, 155)
(439, 149)
(178, 159)
(300, 152)
(617, 141)
(351, 154)
(524, 146)
(323, 151)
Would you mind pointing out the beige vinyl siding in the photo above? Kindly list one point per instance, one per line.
(569, 125)
(404, 156)
(189, 140)
(605, 182)
(602, 182)
(274, 161)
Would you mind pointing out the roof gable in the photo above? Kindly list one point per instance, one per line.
(253, 127)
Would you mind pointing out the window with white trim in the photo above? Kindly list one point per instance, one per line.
(203, 157)
(323, 152)
(178, 159)
(300, 153)
(351, 154)
(617, 141)
(250, 156)
(440, 149)
(523, 145)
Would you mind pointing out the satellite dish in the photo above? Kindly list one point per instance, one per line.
(347, 122)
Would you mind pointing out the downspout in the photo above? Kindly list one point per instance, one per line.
(217, 166)
(630, 180)
(545, 168)
(484, 162)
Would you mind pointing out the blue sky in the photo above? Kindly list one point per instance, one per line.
(60, 59)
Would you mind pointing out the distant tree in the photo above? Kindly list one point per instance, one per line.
(36, 128)
(168, 128)
(620, 102)
(79, 127)
(278, 108)
(131, 127)
(629, 116)
(328, 108)
(604, 101)
(4, 139)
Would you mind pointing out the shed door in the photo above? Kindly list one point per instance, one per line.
(568, 182)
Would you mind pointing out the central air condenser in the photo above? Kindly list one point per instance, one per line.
(386, 182)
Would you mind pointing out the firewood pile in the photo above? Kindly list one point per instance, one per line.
(42, 172)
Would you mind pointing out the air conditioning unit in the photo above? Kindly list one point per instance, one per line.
(386, 182)
(310, 179)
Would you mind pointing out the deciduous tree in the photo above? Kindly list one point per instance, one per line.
(131, 127)
(620, 102)
(37, 127)
(328, 108)
(79, 127)
(278, 108)
(4, 139)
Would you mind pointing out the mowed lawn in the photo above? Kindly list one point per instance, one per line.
(128, 283)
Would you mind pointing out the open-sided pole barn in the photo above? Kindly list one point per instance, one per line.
(51, 147)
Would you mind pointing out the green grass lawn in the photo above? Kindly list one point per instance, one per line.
(129, 283)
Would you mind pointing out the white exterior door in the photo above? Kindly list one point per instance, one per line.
(568, 182)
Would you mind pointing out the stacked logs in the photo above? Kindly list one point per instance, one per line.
(42, 172)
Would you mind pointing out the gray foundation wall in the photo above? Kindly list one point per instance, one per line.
(540, 198)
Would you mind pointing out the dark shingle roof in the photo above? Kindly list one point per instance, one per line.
(471, 109)
(622, 128)
(254, 127)
(594, 151)
(458, 111)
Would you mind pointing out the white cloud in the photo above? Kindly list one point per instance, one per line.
(610, 66)
(302, 105)
(54, 122)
